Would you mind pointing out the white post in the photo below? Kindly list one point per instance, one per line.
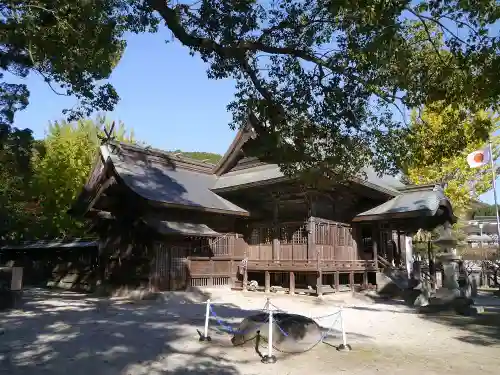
(342, 327)
(494, 183)
(344, 346)
(207, 317)
(270, 335)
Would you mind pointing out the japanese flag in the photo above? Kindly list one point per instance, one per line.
(478, 158)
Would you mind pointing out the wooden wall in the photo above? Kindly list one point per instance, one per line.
(331, 240)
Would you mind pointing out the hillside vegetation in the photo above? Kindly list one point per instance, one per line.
(208, 157)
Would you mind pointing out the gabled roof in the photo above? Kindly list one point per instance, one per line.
(234, 151)
(158, 179)
(270, 173)
(175, 181)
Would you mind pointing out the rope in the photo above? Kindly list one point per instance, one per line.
(323, 335)
(268, 306)
(229, 329)
(321, 339)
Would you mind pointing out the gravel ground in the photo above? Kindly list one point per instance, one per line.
(69, 333)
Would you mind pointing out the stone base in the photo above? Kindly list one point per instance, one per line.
(205, 338)
(269, 359)
(344, 348)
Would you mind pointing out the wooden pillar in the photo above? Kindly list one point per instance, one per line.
(336, 280)
(319, 283)
(351, 281)
(311, 238)
(400, 252)
(267, 282)
(375, 240)
(365, 279)
(211, 278)
(245, 279)
(276, 232)
(292, 283)
(432, 268)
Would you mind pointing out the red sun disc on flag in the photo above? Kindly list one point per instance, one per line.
(479, 157)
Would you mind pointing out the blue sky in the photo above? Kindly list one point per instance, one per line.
(166, 99)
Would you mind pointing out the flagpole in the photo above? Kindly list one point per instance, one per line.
(494, 175)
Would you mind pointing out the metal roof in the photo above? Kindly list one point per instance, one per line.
(179, 228)
(57, 244)
(270, 172)
(479, 238)
(158, 181)
(407, 205)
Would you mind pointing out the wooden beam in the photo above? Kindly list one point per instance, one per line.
(375, 239)
(276, 232)
(351, 281)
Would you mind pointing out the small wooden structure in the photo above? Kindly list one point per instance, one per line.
(67, 264)
(170, 222)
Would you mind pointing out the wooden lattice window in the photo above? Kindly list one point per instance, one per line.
(255, 237)
(340, 236)
(323, 233)
(266, 235)
(349, 237)
(220, 245)
(300, 235)
(286, 235)
(293, 234)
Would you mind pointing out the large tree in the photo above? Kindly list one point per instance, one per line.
(62, 169)
(15, 178)
(440, 140)
(322, 77)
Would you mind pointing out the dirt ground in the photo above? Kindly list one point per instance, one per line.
(68, 333)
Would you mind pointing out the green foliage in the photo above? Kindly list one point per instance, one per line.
(485, 210)
(61, 172)
(15, 177)
(208, 157)
(440, 140)
(321, 77)
(73, 45)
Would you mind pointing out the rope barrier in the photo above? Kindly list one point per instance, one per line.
(275, 319)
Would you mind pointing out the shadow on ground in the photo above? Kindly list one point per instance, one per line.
(67, 333)
(482, 329)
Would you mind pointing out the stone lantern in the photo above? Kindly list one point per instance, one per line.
(449, 260)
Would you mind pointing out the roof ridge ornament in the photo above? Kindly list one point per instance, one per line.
(108, 134)
(438, 187)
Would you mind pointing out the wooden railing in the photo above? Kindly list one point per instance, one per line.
(305, 265)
